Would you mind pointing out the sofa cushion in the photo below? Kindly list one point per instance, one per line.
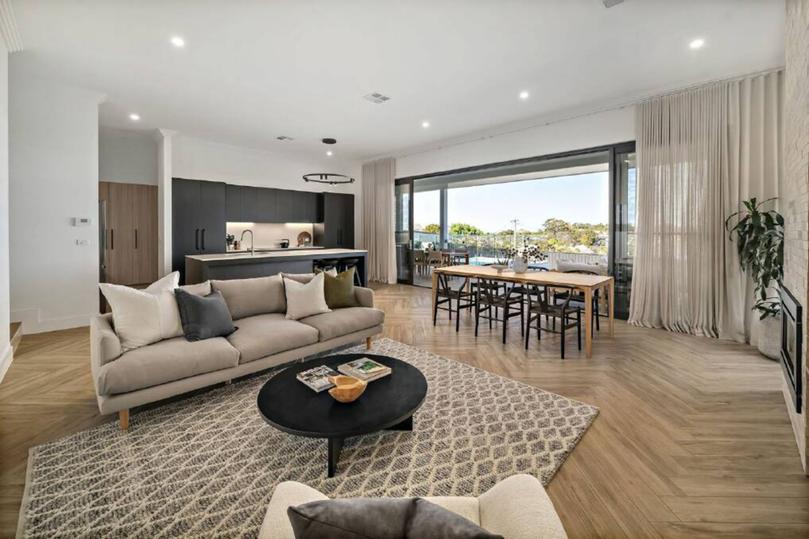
(339, 289)
(299, 277)
(204, 317)
(267, 334)
(165, 361)
(305, 299)
(341, 322)
(141, 317)
(382, 518)
(249, 297)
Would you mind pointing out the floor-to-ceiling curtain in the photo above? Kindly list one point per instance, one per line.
(751, 167)
(700, 153)
(378, 178)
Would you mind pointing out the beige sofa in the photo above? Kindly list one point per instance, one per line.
(265, 339)
(516, 508)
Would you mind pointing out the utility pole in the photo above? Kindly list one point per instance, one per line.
(514, 223)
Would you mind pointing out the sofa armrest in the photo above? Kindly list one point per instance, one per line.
(105, 345)
(365, 296)
(276, 522)
(518, 508)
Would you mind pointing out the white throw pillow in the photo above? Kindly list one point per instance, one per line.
(145, 316)
(305, 299)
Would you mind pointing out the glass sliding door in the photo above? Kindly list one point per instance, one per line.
(404, 231)
(623, 230)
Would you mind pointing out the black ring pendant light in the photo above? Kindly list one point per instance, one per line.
(329, 178)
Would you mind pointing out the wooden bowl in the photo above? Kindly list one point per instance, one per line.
(347, 388)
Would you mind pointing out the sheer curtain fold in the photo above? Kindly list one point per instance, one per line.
(378, 179)
(701, 152)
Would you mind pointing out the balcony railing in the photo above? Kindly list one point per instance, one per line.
(487, 249)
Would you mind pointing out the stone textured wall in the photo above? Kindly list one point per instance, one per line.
(794, 201)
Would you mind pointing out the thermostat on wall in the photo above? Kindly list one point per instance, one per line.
(81, 221)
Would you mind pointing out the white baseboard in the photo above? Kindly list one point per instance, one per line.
(6, 357)
(33, 323)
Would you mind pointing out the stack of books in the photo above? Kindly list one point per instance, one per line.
(318, 378)
(365, 369)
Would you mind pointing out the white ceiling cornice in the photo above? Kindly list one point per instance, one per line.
(8, 27)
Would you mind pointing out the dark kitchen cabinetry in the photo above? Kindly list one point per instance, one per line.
(199, 214)
(246, 204)
(335, 226)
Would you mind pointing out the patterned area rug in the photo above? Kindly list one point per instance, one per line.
(206, 466)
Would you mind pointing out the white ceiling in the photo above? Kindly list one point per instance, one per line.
(253, 70)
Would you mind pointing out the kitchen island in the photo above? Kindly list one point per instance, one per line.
(241, 265)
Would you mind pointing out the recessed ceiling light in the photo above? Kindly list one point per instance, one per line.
(178, 42)
(697, 43)
(329, 153)
(425, 124)
(524, 94)
(134, 117)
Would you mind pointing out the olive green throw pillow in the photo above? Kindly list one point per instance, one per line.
(340, 289)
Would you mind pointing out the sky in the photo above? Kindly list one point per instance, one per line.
(582, 198)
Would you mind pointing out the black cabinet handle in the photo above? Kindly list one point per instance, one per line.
(112, 239)
(196, 239)
(136, 238)
(203, 239)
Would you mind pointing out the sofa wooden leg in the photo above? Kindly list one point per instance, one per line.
(368, 343)
(123, 419)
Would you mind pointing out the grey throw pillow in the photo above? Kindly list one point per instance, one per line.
(381, 518)
(203, 317)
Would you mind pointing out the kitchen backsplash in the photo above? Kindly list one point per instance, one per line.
(268, 235)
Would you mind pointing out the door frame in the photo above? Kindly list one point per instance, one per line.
(611, 149)
(410, 266)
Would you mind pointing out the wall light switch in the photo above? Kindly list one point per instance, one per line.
(83, 243)
(81, 221)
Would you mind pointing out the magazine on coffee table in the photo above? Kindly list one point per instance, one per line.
(318, 378)
(365, 369)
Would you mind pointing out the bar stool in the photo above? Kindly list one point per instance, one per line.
(348, 263)
(327, 264)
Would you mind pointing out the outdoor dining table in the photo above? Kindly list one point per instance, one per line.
(587, 284)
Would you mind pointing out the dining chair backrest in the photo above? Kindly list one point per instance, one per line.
(434, 256)
(419, 256)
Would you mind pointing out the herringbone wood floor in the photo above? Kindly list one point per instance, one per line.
(693, 438)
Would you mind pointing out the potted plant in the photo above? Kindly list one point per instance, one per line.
(759, 237)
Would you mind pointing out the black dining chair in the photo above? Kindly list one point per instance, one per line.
(568, 316)
(493, 298)
(577, 298)
(445, 295)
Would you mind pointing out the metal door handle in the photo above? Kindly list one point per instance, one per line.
(136, 238)
(196, 239)
(203, 239)
(112, 239)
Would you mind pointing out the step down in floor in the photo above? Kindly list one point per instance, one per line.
(15, 334)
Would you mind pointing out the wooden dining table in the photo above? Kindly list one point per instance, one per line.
(586, 284)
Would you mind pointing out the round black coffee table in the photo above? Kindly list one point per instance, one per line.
(387, 403)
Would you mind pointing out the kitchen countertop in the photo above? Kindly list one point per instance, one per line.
(274, 249)
(280, 253)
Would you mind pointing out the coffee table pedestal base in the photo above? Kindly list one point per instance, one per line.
(335, 445)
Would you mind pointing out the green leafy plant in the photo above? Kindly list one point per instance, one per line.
(759, 237)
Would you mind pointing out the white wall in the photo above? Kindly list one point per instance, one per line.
(584, 132)
(53, 177)
(205, 160)
(5, 350)
(127, 156)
